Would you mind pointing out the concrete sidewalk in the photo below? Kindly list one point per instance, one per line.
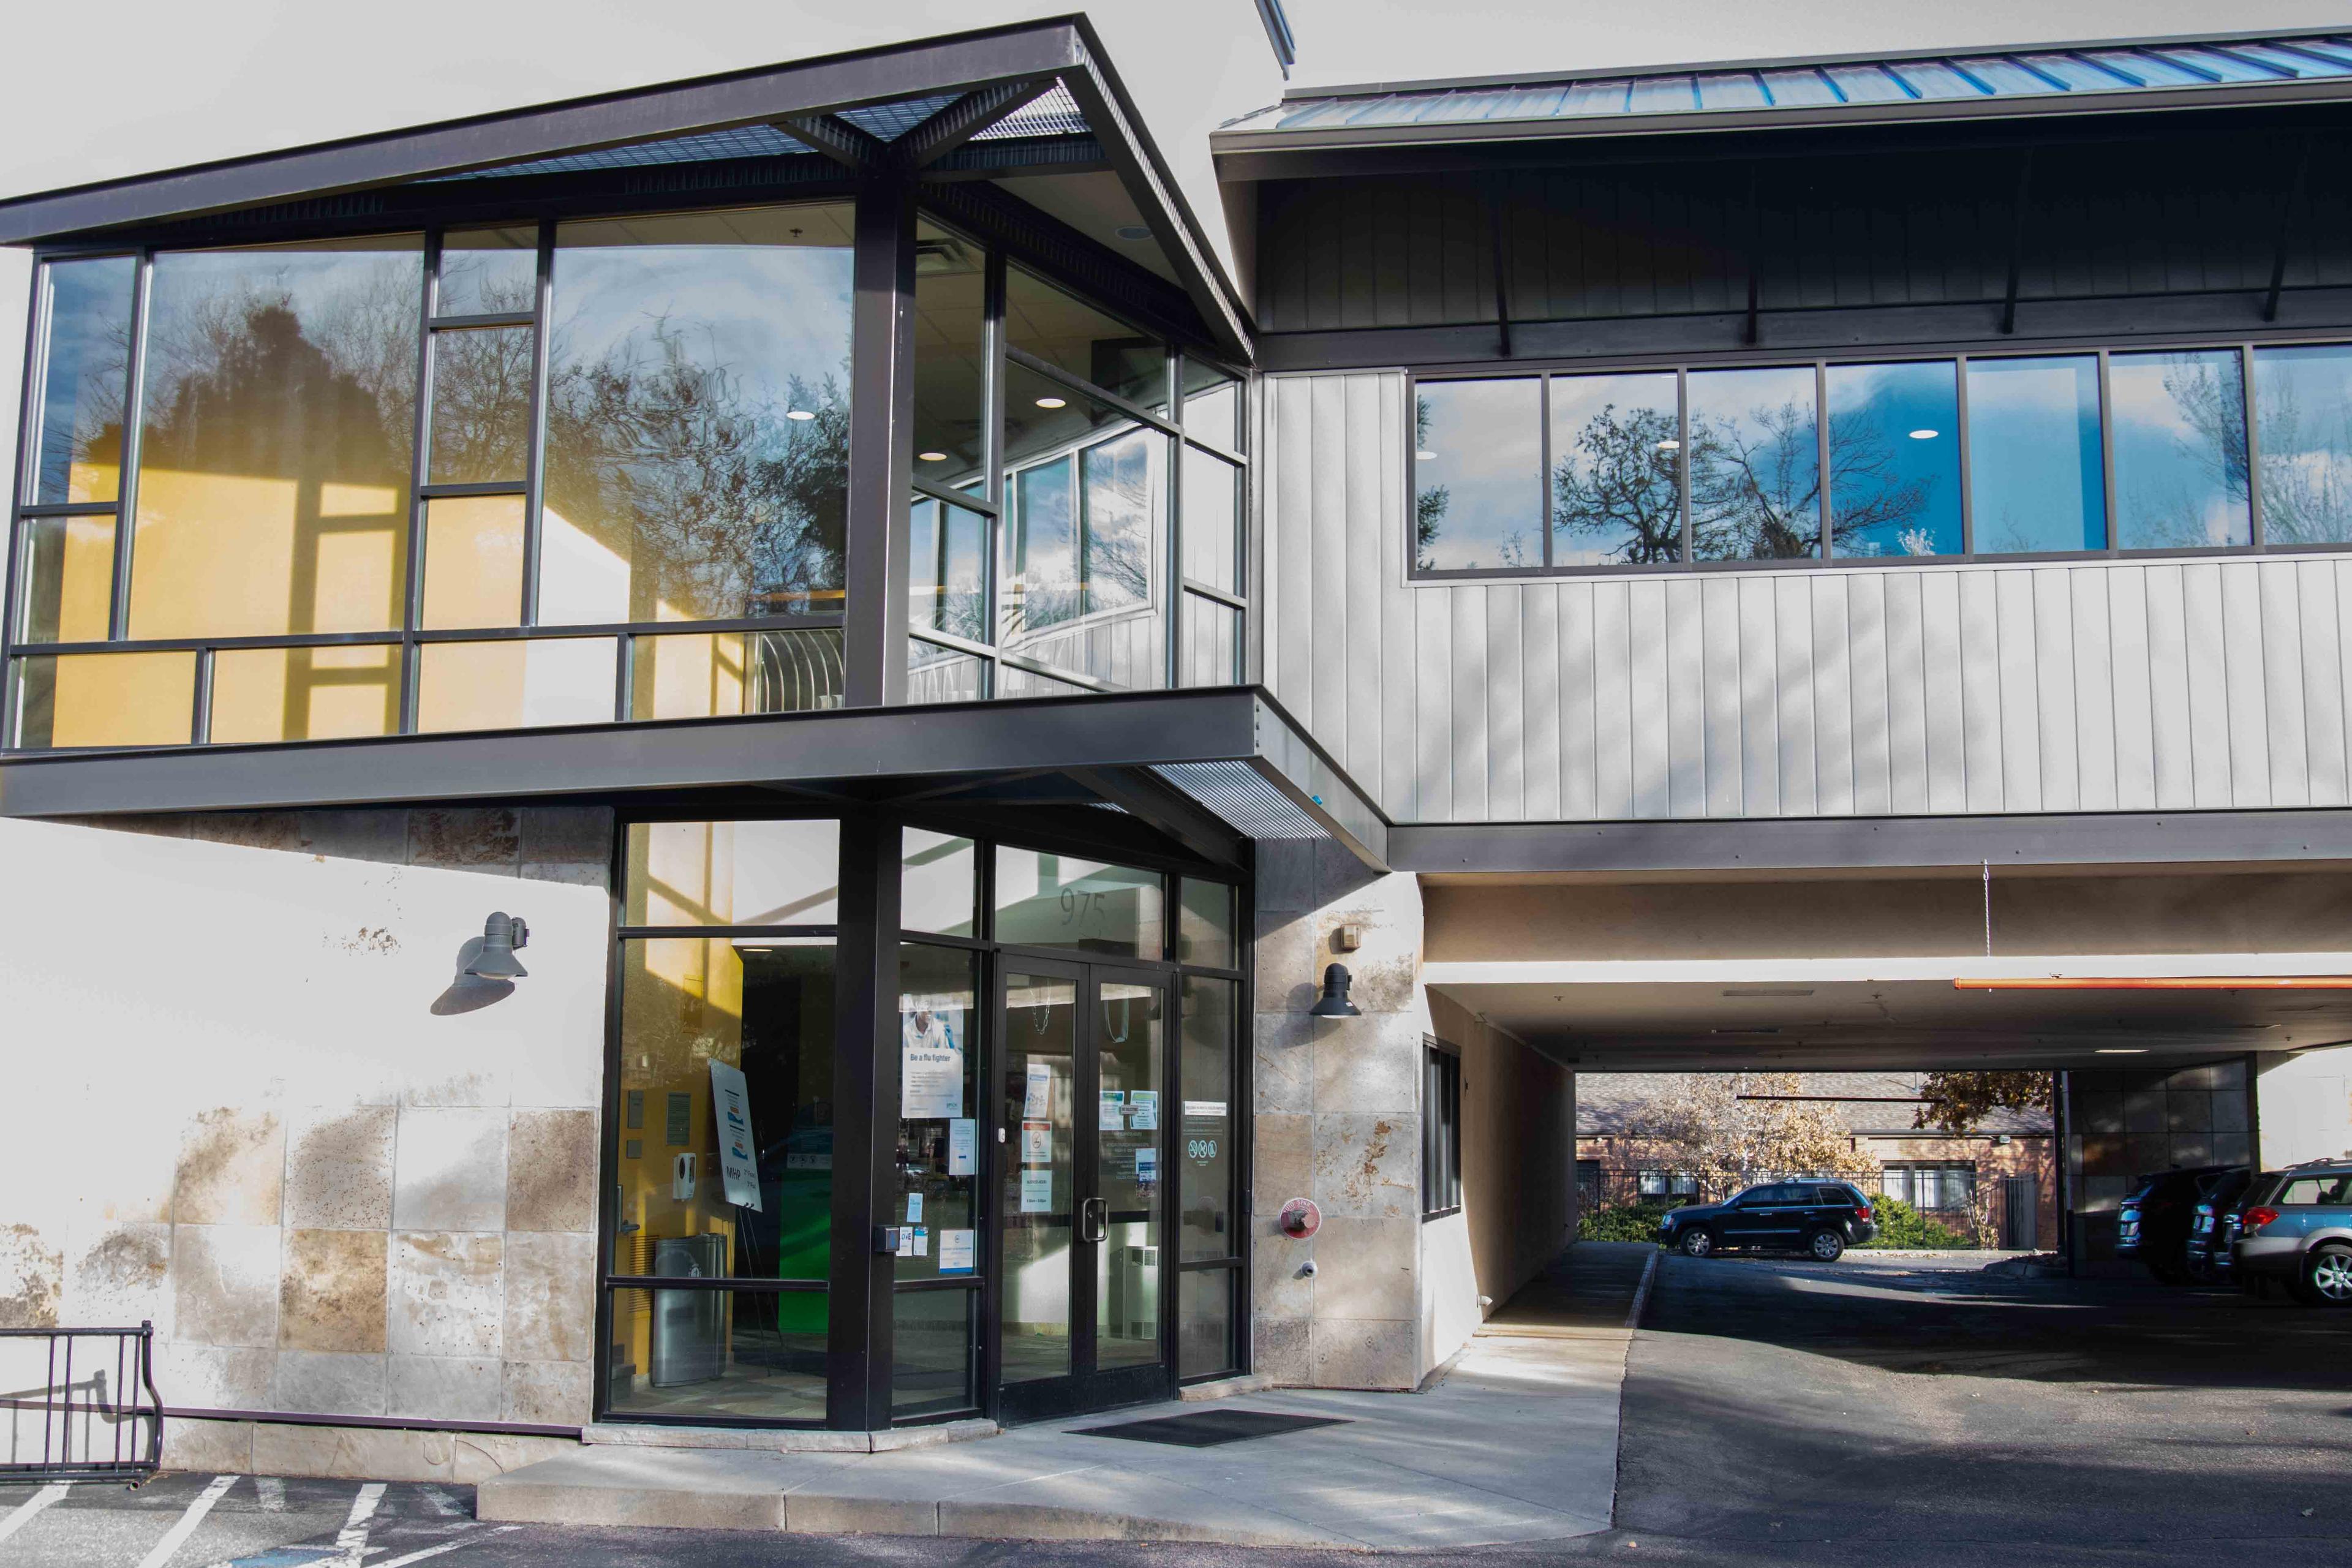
(1516, 1441)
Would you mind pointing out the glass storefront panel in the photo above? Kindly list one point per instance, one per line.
(1212, 501)
(1616, 470)
(737, 1355)
(936, 673)
(480, 427)
(756, 873)
(938, 1125)
(1044, 900)
(950, 365)
(1132, 1035)
(1755, 464)
(1206, 1226)
(69, 579)
(2180, 449)
(939, 886)
(1034, 1205)
(947, 570)
(473, 563)
(105, 700)
(77, 445)
(516, 683)
(2303, 410)
(2037, 483)
(278, 429)
(1213, 405)
(1477, 470)
(267, 694)
(697, 416)
(488, 271)
(932, 1340)
(710, 675)
(1204, 1321)
(1078, 339)
(1206, 931)
(1895, 459)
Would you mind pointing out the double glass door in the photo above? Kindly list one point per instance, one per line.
(1082, 1294)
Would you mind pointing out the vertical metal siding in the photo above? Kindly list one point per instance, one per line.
(2095, 686)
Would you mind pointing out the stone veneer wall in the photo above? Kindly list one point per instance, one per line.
(1338, 1120)
(270, 1134)
(2123, 1125)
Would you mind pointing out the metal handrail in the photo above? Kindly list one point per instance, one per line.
(91, 1429)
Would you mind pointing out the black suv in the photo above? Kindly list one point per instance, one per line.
(2215, 1227)
(1821, 1219)
(2153, 1226)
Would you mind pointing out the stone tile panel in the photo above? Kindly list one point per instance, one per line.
(551, 1170)
(339, 1165)
(331, 1296)
(445, 1294)
(449, 1172)
(232, 1168)
(1367, 1166)
(224, 1284)
(549, 1303)
(546, 1393)
(309, 1383)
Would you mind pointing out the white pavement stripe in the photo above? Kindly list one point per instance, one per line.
(272, 1493)
(446, 1546)
(350, 1542)
(22, 1515)
(445, 1505)
(186, 1524)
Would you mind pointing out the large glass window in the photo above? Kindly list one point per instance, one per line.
(1479, 490)
(1895, 459)
(277, 431)
(1079, 340)
(698, 422)
(1060, 900)
(1755, 457)
(2180, 449)
(77, 441)
(2304, 398)
(2036, 476)
(339, 690)
(1616, 470)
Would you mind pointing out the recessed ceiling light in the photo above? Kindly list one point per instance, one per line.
(1052, 402)
(932, 456)
(1424, 456)
(1924, 434)
(2121, 1051)
(798, 414)
(1132, 231)
(1670, 446)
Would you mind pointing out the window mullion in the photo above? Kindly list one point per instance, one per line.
(126, 488)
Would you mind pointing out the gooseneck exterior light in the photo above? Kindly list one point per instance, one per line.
(501, 935)
(1335, 1003)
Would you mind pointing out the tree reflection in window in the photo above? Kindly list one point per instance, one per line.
(698, 426)
(1616, 470)
(1082, 532)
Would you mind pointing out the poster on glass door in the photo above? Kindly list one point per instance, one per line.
(731, 1107)
(930, 1081)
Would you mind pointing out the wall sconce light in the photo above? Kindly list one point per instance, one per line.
(1335, 1003)
(501, 935)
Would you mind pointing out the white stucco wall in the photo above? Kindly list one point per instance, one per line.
(2305, 1105)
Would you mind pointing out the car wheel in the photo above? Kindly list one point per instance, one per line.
(1826, 1246)
(1698, 1243)
(2327, 1277)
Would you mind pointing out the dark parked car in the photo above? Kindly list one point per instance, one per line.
(2214, 1228)
(2297, 1226)
(1821, 1218)
(2153, 1226)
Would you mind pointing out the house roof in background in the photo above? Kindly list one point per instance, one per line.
(1615, 1103)
(2182, 72)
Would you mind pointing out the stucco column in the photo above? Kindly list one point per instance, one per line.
(1337, 1121)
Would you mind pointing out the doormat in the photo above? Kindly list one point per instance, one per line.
(1208, 1428)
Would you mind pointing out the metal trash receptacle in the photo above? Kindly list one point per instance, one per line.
(689, 1327)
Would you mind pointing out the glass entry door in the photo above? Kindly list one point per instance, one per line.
(1081, 1294)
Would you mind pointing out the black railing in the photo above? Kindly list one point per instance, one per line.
(80, 1408)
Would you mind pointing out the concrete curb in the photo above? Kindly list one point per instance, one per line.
(1642, 1292)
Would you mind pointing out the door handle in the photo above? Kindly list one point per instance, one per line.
(1093, 1219)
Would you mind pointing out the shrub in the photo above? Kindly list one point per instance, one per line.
(1621, 1222)
(1901, 1226)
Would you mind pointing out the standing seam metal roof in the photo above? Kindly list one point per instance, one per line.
(1960, 78)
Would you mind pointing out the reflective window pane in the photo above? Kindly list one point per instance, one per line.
(1478, 485)
(1212, 642)
(1072, 335)
(488, 271)
(1204, 1321)
(715, 675)
(2036, 484)
(1895, 459)
(267, 694)
(1755, 455)
(947, 570)
(1206, 926)
(950, 379)
(516, 683)
(939, 886)
(1130, 1036)
(1060, 900)
(278, 431)
(738, 1355)
(931, 1340)
(105, 700)
(2180, 449)
(1213, 405)
(939, 1126)
(697, 423)
(757, 873)
(1616, 470)
(77, 445)
(481, 405)
(1035, 1204)
(1207, 1227)
(937, 674)
(473, 563)
(67, 572)
(1212, 498)
(2302, 408)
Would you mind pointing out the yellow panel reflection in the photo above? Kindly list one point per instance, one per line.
(473, 563)
(516, 683)
(68, 578)
(106, 699)
(262, 694)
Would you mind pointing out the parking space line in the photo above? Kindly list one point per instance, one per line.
(272, 1493)
(22, 1515)
(185, 1525)
(350, 1542)
(467, 1540)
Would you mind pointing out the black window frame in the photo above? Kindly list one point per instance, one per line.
(1441, 1129)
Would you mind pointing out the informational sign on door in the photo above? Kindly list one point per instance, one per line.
(731, 1107)
(963, 1146)
(1037, 1102)
(1143, 1111)
(1037, 1192)
(930, 1081)
(1036, 1142)
(1146, 1166)
(956, 1251)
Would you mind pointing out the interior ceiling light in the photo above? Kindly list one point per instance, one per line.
(2121, 1051)
(798, 414)
(1924, 434)
(932, 456)
(1424, 456)
(1670, 446)
(1132, 231)
(1053, 403)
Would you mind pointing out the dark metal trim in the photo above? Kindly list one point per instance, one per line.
(2287, 205)
(372, 1423)
(881, 447)
(2087, 838)
(965, 118)
(860, 151)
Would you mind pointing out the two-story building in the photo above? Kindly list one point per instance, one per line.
(699, 756)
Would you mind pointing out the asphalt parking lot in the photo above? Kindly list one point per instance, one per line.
(1875, 1411)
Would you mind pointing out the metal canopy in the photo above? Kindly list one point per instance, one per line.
(2157, 74)
(1183, 761)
